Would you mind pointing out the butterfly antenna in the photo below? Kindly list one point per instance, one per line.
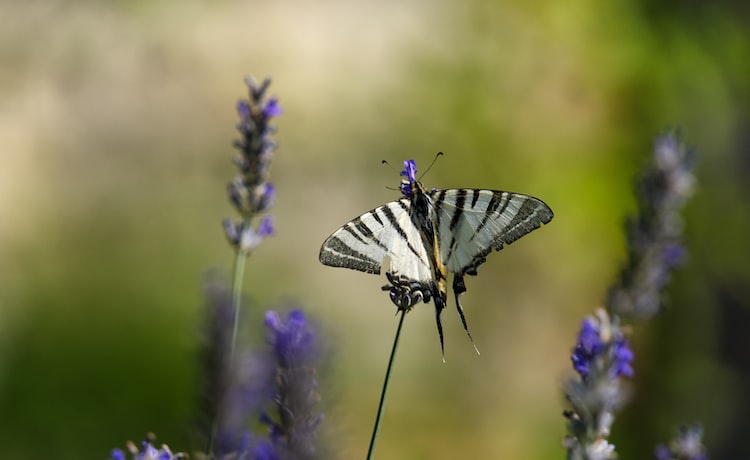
(439, 305)
(388, 187)
(459, 287)
(430, 167)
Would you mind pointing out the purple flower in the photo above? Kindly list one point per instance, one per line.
(265, 196)
(622, 356)
(272, 108)
(601, 357)
(653, 235)
(410, 172)
(601, 345)
(246, 238)
(266, 227)
(589, 346)
(243, 110)
(295, 352)
(292, 341)
(674, 254)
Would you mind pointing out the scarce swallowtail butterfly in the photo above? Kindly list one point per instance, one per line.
(428, 234)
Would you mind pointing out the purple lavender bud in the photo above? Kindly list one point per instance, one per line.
(622, 356)
(272, 108)
(405, 188)
(674, 254)
(410, 170)
(588, 347)
(265, 196)
(243, 110)
(117, 454)
(266, 227)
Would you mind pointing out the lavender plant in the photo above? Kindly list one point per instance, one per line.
(286, 377)
(602, 357)
(275, 389)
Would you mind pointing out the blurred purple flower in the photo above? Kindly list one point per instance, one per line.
(653, 235)
(688, 445)
(243, 110)
(266, 227)
(272, 108)
(295, 352)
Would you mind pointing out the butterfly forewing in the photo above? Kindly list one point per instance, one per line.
(386, 231)
(471, 223)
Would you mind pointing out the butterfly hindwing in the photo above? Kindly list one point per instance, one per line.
(471, 223)
(386, 231)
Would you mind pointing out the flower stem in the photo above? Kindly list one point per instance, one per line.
(381, 405)
(237, 278)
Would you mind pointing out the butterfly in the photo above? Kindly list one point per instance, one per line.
(428, 234)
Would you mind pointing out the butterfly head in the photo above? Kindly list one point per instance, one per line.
(410, 182)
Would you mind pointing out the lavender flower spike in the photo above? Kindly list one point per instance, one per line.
(250, 192)
(601, 357)
(653, 235)
(295, 351)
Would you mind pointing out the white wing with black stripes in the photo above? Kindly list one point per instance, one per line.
(427, 235)
(386, 231)
(471, 223)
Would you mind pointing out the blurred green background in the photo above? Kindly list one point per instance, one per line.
(116, 123)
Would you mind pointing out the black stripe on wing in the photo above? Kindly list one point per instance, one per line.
(483, 220)
(365, 241)
(530, 216)
(336, 253)
(401, 232)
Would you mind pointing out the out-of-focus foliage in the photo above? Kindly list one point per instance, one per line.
(116, 122)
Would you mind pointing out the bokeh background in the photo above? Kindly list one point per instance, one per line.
(116, 123)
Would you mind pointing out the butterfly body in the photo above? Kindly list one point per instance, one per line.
(428, 234)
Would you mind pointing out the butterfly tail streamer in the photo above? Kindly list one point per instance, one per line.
(459, 287)
(439, 306)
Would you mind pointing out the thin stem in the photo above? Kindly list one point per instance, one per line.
(381, 405)
(237, 277)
